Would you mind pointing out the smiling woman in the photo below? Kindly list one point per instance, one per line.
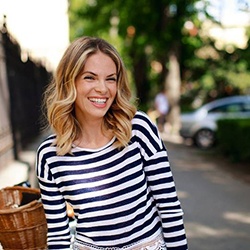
(94, 71)
(106, 160)
(96, 89)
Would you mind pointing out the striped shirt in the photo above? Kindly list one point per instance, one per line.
(121, 198)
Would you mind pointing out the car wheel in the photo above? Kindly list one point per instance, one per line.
(204, 138)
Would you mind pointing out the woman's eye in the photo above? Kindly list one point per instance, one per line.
(112, 79)
(88, 78)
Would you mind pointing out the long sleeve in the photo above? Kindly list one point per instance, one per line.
(58, 236)
(161, 184)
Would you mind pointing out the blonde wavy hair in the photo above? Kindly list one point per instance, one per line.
(60, 95)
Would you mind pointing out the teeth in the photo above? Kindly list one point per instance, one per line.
(98, 100)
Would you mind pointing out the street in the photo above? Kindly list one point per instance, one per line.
(215, 197)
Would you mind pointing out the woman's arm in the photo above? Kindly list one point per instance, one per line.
(58, 236)
(160, 181)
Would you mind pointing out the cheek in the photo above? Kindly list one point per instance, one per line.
(82, 89)
(80, 94)
(113, 90)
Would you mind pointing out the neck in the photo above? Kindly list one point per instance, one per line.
(93, 136)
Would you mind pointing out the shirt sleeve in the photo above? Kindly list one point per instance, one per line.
(58, 235)
(162, 185)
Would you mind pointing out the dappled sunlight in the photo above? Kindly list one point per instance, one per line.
(185, 164)
(213, 196)
(182, 194)
(196, 230)
(219, 178)
(171, 137)
(237, 217)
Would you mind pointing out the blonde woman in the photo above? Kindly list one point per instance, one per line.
(105, 159)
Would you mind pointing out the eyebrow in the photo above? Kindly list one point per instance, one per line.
(90, 72)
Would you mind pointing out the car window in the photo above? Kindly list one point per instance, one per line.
(227, 108)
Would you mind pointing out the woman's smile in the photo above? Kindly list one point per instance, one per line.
(99, 102)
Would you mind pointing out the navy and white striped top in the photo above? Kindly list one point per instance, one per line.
(121, 198)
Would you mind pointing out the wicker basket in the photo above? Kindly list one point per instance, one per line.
(21, 226)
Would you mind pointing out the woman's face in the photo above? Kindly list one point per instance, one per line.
(96, 87)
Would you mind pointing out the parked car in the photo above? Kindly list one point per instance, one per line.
(200, 125)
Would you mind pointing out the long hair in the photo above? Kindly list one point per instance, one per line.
(61, 93)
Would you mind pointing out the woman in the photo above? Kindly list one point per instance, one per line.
(105, 159)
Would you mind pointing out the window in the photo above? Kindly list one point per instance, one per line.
(228, 108)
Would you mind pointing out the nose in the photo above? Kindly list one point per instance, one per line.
(101, 86)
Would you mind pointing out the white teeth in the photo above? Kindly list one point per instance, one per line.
(98, 100)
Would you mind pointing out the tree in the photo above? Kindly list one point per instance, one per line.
(151, 34)
(214, 71)
(163, 43)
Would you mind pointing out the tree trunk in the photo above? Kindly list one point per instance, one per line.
(172, 86)
(141, 81)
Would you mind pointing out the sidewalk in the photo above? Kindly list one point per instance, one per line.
(23, 169)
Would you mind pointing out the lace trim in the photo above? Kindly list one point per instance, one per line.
(156, 244)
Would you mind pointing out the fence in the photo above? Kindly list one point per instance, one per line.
(21, 89)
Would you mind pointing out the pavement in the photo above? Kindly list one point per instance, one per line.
(214, 194)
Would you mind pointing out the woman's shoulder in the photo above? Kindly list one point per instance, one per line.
(146, 133)
(47, 144)
(142, 121)
(142, 118)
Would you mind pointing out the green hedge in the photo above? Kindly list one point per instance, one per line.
(234, 138)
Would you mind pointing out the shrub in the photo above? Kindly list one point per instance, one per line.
(234, 138)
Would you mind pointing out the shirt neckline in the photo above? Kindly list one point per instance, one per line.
(94, 149)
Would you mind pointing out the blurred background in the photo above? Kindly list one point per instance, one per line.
(196, 51)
